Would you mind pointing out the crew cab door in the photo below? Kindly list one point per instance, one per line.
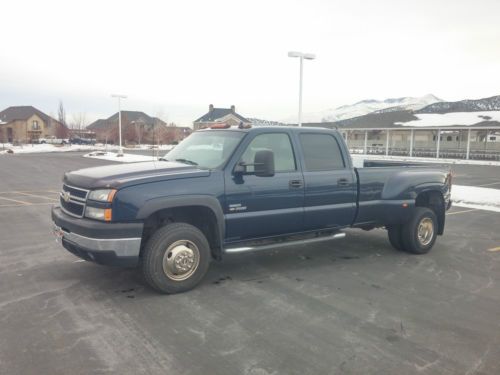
(264, 206)
(330, 182)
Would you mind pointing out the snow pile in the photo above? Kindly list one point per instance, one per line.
(452, 119)
(113, 156)
(37, 148)
(358, 160)
(476, 197)
(42, 148)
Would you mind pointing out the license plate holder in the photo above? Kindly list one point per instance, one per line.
(58, 233)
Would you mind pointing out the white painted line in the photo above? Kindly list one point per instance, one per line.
(461, 212)
(492, 183)
(37, 196)
(27, 205)
(29, 191)
(15, 200)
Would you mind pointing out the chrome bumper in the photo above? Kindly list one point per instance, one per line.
(122, 247)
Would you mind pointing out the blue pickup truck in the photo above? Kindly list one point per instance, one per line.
(232, 189)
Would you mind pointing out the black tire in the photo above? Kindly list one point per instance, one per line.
(394, 234)
(411, 240)
(155, 258)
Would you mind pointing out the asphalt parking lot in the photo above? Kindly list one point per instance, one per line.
(355, 306)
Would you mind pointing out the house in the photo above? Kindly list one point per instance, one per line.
(178, 133)
(227, 116)
(26, 124)
(137, 127)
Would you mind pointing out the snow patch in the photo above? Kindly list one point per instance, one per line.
(39, 148)
(476, 197)
(452, 119)
(113, 156)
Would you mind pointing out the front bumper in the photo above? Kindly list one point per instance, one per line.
(115, 244)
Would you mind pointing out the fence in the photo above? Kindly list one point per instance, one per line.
(476, 143)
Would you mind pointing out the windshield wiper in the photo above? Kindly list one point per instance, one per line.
(186, 161)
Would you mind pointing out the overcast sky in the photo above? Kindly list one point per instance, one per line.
(174, 58)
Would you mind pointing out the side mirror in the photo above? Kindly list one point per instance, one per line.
(264, 163)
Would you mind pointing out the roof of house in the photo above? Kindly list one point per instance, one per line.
(129, 117)
(218, 113)
(22, 113)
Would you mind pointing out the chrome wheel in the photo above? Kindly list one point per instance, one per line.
(181, 260)
(425, 231)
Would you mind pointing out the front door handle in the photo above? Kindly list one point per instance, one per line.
(343, 182)
(296, 183)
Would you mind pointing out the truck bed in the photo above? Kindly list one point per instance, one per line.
(382, 189)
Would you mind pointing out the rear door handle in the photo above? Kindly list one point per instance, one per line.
(296, 183)
(343, 182)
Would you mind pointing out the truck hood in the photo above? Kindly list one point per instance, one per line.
(121, 175)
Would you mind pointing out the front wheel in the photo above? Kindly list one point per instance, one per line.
(419, 234)
(394, 234)
(176, 258)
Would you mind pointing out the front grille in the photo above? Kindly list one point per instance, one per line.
(76, 192)
(73, 200)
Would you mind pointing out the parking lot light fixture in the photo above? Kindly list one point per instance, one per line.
(119, 97)
(301, 56)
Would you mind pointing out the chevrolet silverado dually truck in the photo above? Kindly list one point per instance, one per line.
(235, 189)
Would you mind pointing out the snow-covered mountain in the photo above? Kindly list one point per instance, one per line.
(368, 106)
(388, 105)
(480, 112)
(468, 105)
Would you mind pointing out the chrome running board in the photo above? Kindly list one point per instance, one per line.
(336, 236)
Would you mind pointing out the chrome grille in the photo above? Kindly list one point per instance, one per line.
(73, 200)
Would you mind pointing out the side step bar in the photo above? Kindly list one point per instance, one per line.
(231, 250)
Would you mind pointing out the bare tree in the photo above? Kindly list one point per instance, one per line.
(79, 121)
(61, 114)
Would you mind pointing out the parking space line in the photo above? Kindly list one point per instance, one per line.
(26, 205)
(29, 191)
(491, 183)
(17, 201)
(462, 212)
(494, 249)
(37, 196)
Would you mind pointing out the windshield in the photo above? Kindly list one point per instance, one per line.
(206, 149)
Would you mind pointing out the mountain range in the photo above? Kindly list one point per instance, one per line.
(486, 104)
(368, 106)
(478, 112)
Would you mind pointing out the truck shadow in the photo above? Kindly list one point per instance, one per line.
(357, 251)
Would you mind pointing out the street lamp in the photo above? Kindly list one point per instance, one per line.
(302, 56)
(119, 97)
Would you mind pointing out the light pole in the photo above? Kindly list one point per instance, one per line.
(301, 56)
(119, 97)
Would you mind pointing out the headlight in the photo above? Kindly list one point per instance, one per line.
(103, 214)
(102, 195)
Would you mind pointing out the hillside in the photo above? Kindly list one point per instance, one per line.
(364, 107)
(486, 104)
(480, 112)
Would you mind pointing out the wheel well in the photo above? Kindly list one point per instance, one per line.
(201, 217)
(435, 201)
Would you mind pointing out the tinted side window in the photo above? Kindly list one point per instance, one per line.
(321, 152)
(279, 143)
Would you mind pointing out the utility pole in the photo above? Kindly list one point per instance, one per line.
(301, 56)
(119, 97)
